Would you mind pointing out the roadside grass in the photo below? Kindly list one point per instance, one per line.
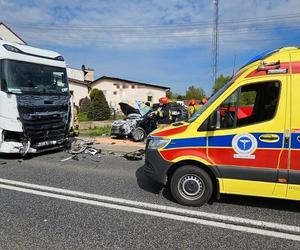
(82, 117)
(97, 131)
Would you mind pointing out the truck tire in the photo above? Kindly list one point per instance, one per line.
(191, 185)
(138, 134)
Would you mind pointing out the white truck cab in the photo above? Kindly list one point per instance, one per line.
(35, 107)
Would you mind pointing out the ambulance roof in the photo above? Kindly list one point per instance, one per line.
(265, 54)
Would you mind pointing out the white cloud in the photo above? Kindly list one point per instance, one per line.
(152, 23)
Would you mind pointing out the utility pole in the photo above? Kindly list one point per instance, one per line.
(215, 45)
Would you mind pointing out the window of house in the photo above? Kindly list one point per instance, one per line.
(115, 92)
(150, 98)
(249, 104)
(118, 86)
(124, 86)
(133, 86)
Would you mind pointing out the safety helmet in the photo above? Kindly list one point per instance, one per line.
(192, 102)
(204, 100)
(164, 100)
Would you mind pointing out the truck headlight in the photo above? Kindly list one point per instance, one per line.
(157, 143)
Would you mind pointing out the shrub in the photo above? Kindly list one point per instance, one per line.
(94, 92)
(99, 109)
(84, 105)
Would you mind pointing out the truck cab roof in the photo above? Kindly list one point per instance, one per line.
(21, 52)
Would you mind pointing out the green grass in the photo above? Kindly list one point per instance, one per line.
(83, 117)
(97, 131)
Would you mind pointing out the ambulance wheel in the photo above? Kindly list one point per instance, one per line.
(191, 186)
(138, 134)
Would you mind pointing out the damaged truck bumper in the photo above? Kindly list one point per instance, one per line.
(35, 124)
(16, 148)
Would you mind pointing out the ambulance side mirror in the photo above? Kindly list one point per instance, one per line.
(214, 120)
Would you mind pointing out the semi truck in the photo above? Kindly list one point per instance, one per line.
(35, 103)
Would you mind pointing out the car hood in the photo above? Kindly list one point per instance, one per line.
(127, 109)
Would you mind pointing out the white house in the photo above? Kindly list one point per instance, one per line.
(8, 35)
(120, 90)
(79, 82)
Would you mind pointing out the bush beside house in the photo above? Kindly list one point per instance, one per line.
(99, 109)
(85, 105)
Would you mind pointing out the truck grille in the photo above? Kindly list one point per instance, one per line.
(44, 118)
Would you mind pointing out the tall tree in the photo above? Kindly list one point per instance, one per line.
(171, 95)
(220, 82)
(194, 93)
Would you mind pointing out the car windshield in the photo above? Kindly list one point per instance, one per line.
(210, 101)
(29, 78)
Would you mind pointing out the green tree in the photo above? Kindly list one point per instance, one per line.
(84, 105)
(171, 95)
(194, 93)
(99, 109)
(220, 82)
(94, 92)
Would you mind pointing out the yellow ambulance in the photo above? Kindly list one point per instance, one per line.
(245, 140)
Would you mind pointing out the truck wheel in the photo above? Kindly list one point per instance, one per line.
(138, 134)
(191, 186)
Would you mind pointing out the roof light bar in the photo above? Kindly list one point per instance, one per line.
(265, 66)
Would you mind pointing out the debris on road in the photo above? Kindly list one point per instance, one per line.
(91, 150)
(68, 158)
(135, 155)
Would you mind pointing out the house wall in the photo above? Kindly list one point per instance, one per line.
(75, 74)
(9, 36)
(119, 91)
(79, 91)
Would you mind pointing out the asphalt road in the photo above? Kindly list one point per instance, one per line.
(37, 217)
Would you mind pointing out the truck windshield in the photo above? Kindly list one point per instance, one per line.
(29, 78)
(211, 100)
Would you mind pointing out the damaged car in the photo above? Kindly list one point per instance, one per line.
(137, 124)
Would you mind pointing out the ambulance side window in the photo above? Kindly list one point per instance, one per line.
(248, 105)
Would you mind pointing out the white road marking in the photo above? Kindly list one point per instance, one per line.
(216, 220)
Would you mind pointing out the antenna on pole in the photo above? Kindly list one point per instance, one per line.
(233, 70)
(215, 44)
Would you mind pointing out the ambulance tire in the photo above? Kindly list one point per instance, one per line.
(138, 134)
(191, 185)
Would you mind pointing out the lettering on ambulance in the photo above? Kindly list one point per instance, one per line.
(244, 145)
(229, 150)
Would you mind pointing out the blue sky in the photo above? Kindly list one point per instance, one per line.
(166, 42)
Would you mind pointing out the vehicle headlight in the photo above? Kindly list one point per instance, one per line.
(157, 143)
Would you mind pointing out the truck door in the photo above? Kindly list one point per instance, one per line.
(294, 155)
(247, 135)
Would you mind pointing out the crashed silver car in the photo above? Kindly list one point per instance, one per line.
(137, 124)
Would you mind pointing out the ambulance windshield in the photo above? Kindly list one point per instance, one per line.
(211, 100)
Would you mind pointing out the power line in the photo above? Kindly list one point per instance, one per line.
(267, 19)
